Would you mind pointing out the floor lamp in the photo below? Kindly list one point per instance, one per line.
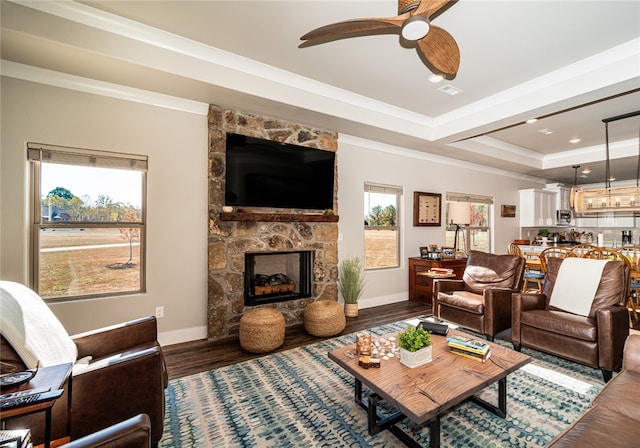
(459, 214)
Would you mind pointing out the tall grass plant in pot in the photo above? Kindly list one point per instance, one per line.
(351, 284)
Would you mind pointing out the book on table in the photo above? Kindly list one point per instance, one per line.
(469, 347)
(468, 343)
(471, 355)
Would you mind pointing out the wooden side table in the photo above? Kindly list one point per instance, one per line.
(53, 377)
(421, 285)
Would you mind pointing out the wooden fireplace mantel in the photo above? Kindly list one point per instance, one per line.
(277, 217)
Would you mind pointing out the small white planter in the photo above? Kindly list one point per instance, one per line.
(415, 359)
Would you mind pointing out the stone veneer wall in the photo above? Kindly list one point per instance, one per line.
(229, 240)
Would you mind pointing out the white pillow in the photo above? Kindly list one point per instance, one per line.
(576, 285)
(32, 329)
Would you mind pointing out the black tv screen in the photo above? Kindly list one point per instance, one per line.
(264, 173)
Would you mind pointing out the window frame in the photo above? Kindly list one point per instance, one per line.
(37, 154)
(473, 199)
(372, 187)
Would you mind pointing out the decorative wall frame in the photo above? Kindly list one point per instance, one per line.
(508, 211)
(427, 209)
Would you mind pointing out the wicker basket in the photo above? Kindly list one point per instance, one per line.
(261, 330)
(324, 318)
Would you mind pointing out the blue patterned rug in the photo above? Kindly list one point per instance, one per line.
(301, 398)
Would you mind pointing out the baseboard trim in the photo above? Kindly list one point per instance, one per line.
(183, 335)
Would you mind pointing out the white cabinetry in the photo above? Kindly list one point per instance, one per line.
(612, 220)
(537, 208)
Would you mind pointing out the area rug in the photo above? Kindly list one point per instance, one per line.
(301, 398)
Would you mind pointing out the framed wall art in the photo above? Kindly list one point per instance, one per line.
(427, 209)
(508, 211)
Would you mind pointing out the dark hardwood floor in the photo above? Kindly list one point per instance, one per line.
(199, 356)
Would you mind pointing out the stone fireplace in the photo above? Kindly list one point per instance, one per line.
(264, 231)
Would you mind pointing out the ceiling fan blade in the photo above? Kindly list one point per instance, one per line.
(441, 51)
(356, 25)
(429, 8)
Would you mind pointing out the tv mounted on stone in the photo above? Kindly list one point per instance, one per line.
(264, 173)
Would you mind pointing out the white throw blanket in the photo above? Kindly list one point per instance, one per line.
(32, 329)
(576, 285)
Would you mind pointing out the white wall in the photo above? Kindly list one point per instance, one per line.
(176, 143)
(360, 162)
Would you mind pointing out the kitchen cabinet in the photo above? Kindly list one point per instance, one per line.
(537, 208)
(563, 195)
(605, 221)
(421, 286)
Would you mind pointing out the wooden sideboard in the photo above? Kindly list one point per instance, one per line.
(421, 286)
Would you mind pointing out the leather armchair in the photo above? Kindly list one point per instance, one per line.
(596, 340)
(481, 301)
(132, 433)
(126, 377)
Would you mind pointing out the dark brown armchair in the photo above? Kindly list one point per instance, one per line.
(126, 377)
(481, 301)
(131, 433)
(596, 340)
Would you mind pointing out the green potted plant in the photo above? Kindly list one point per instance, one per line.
(544, 236)
(415, 346)
(351, 284)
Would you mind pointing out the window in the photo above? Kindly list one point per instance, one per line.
(474, 232)
(88, 233)
(381, 230)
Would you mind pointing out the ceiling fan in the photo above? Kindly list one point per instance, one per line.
(414, 22)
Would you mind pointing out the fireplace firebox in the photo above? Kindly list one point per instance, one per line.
(271, 277)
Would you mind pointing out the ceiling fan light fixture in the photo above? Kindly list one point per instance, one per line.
(435, 78)
(415, 27)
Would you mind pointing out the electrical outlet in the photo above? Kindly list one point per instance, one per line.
(159, 312)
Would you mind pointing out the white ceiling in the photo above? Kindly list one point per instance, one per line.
(575, 62)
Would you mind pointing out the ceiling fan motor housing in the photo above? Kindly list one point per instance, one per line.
(407, 5)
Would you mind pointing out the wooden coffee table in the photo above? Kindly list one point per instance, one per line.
(424, 393)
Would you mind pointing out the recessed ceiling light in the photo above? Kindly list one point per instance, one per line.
(449, 89)
(545, 131)
(575, 140)
(435, 78)
(611, 179)
(583, 176)
(586, 171)
(532, 120)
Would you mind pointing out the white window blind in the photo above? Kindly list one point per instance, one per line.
(84, 157)
(383, 189)
(465, 197)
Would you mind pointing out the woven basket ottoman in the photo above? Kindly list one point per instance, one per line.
(324, 318)
(261, 330)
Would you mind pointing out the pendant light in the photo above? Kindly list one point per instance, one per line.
(609, 199)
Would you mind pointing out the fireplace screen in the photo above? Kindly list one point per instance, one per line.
(277, 276)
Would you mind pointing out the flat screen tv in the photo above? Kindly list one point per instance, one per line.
(264, 173)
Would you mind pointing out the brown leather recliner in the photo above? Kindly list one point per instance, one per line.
(131, 433)
(481, 301)
(126, 377)
(596, 340)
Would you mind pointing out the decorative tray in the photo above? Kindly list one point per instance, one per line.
(16, 378)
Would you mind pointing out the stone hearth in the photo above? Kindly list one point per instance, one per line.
(230, 240)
